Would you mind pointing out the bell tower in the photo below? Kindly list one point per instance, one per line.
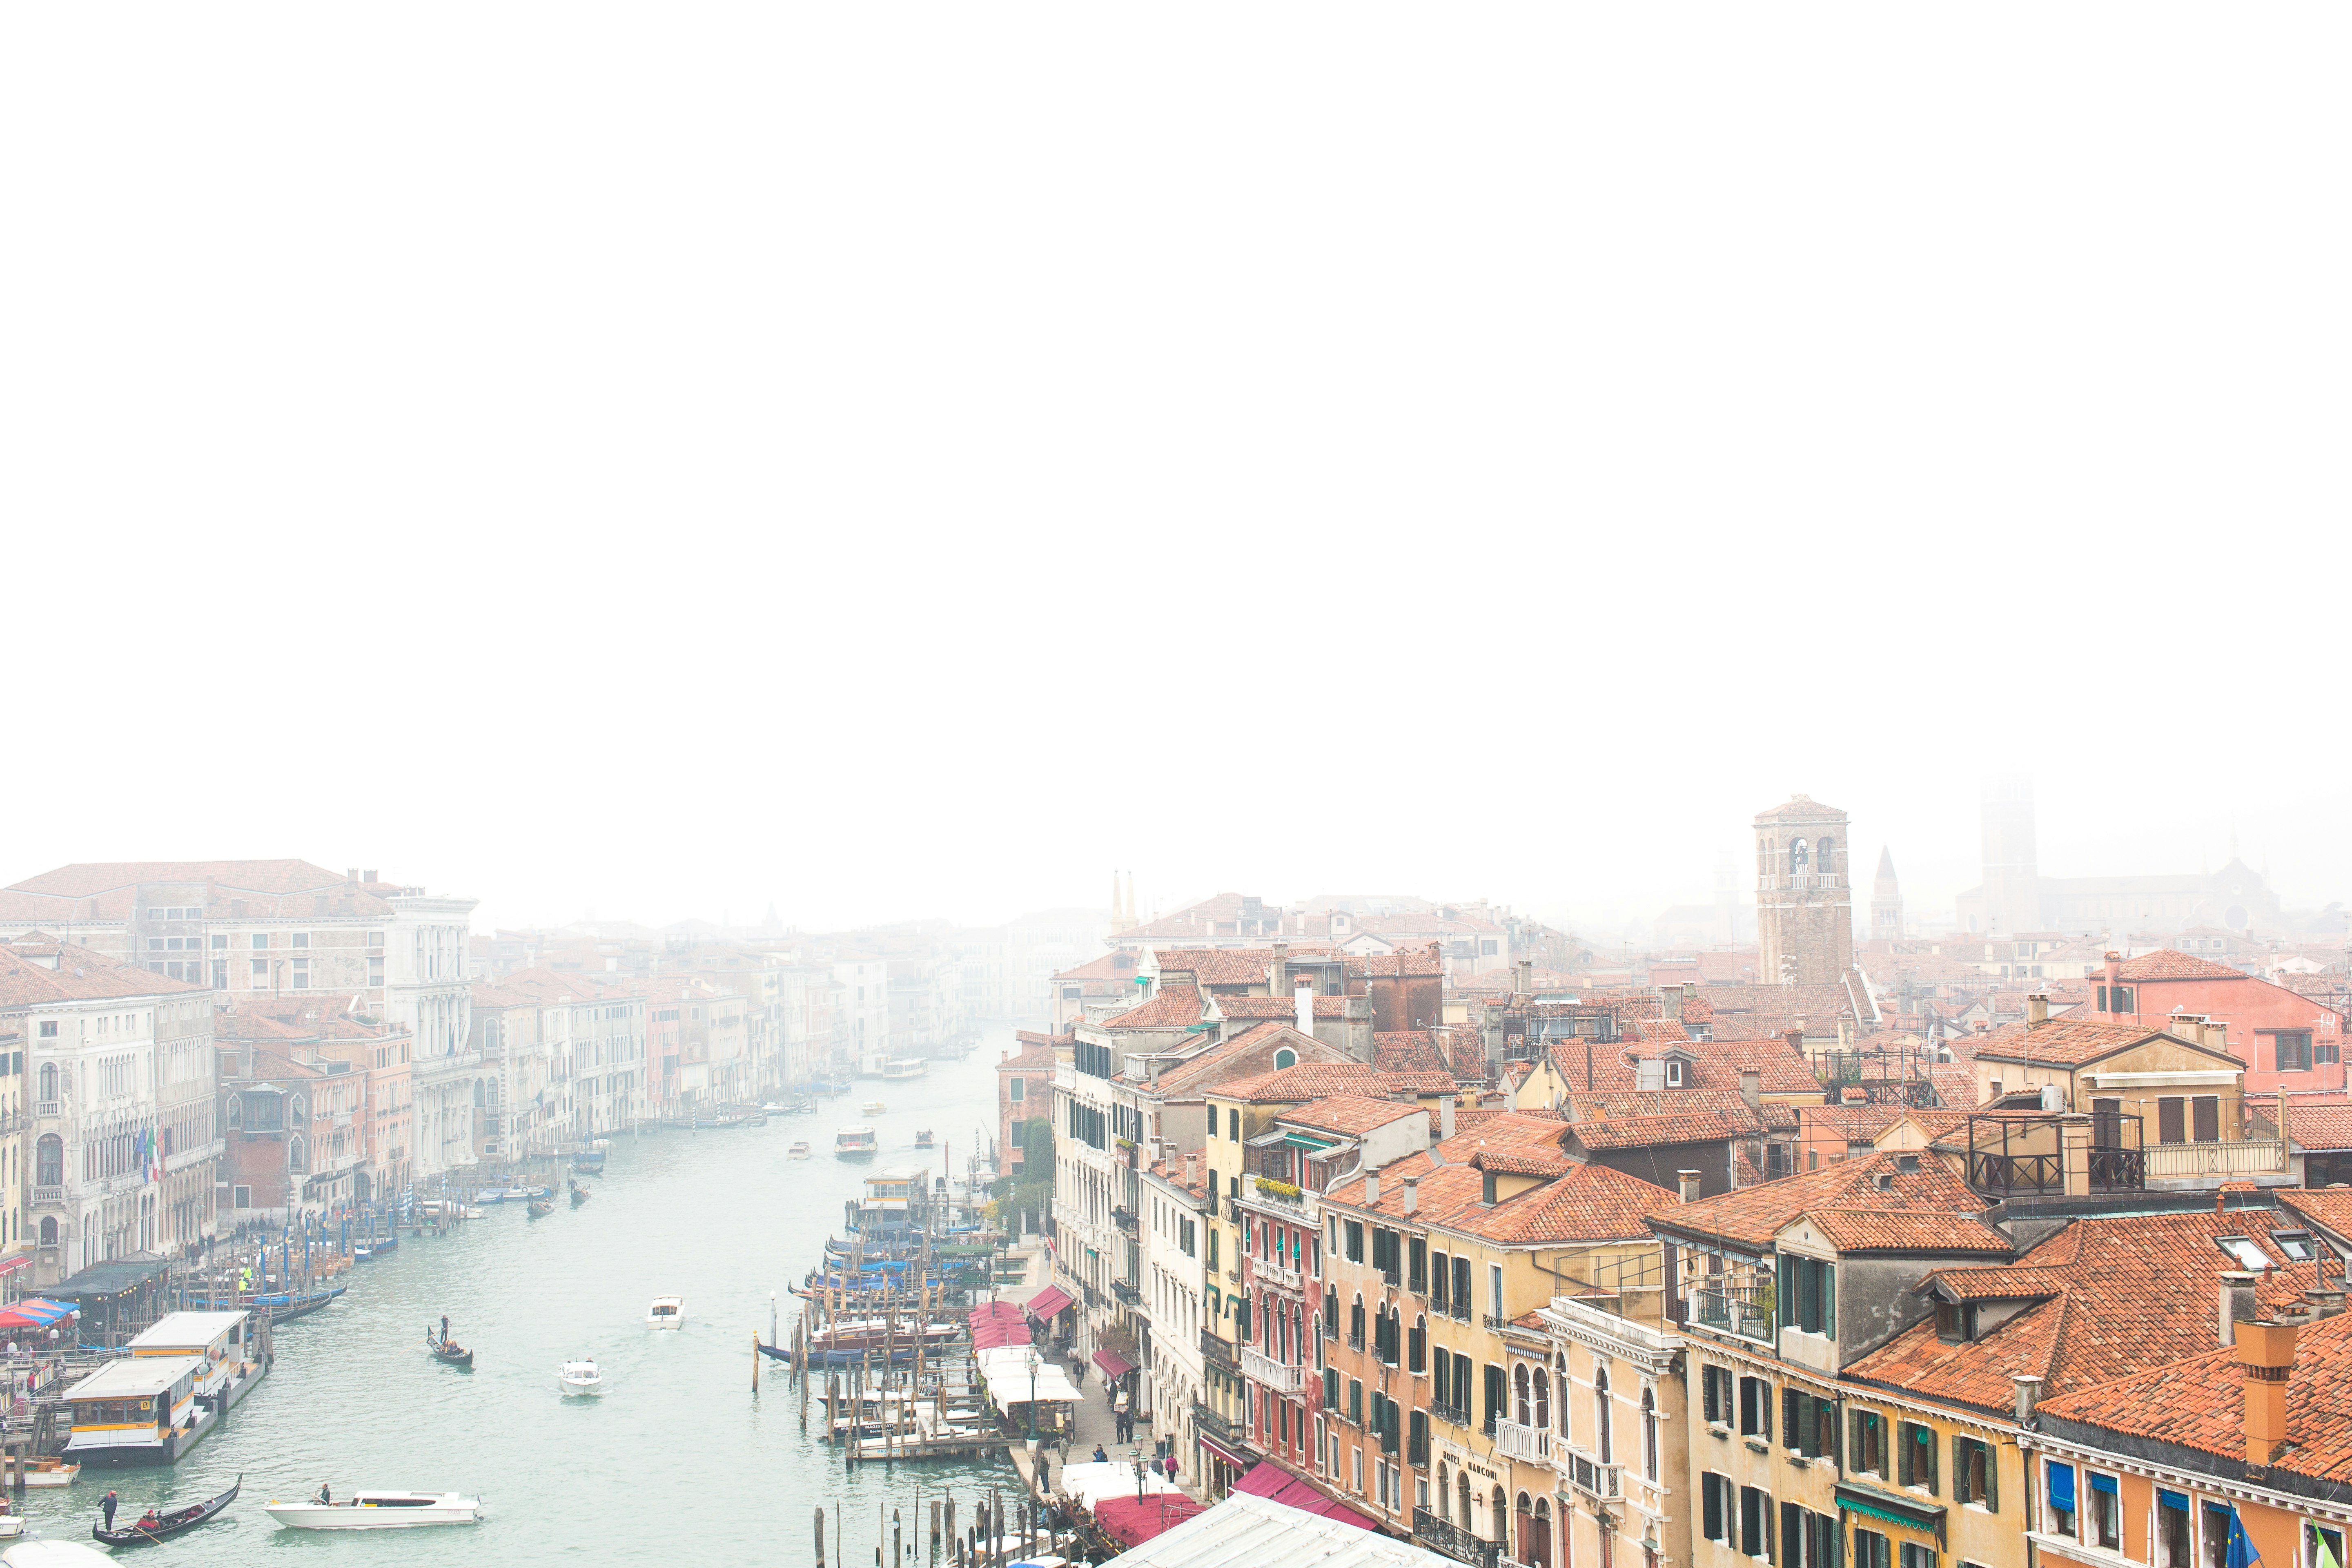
(1804, 900)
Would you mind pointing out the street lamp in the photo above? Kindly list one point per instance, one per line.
(1033, 1399)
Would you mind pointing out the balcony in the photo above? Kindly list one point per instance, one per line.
(1533, 1444)
(1219, 1353)
(49, 1107)
(1281, 1378)
(1126, 1292)
(1452, 1540)
(2198, 1162)
(1496, 1323)
(1211, 1425)
(1266, 1190)
(49, 1197)
(1280, 1277)
(1124, 1220)
(1588, 1474)
(1454, 1414)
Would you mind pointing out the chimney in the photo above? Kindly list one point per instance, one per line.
(1670, 1002)
(1751, 1087)
(1411, 1194)
(1278, 973)
(2037, 1007)
(2029, 1393)
(2237, 1304)
(1796, 1038)
(2326, 1300)
(2115, 978)
(2266, 1360)
(1688, 1181)
(1151, 1066)
(1371, 1188)
(1304, 997)
(1527, 977)
(1845, 1031)
(1192, 1169)
(1446, 1117)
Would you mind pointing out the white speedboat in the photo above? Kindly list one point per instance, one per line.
(581, 1377)
(799, 1151)
(666, 1312)
(377, 1510)
(872, 1108)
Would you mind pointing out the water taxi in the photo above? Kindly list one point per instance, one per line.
(799, 1151)
(666, 1312)
(49, 1473)
(923, 1138)
(179, 1379)
(855, 1142)
(377, 1510)
(872, 1108)
(900, 1068)
(580, 1377)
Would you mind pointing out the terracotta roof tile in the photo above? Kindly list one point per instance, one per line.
(1753, 1216)
(2069, 1042)
(2166, 965)
(1521, 1162)
(1175, 1007)
(80, 975)
(1906, 1230)
(1319, 1080)
(1676, 1127)
(1277, 1006)
(1350, 1115)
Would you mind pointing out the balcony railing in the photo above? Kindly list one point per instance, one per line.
(1280, 1277)
(1533, 1444)
(1588, 1474)
(1457, 1415)
(49, 1195)
(1268, 1190)
(2179, 1161)
(1209, 1423)
(1497, 1323)
(1445, 1536)
(1219, 1353)
(48, 1108)
(1259, 1367)
(1124, 1220)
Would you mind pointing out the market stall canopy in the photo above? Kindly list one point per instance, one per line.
(998, 1323)
(111, 1277)
(1270, 1480)
(1113, 1364)
(1245, 1529)
(35, 1314)
(1094, 1484)
(1133, 1520)
(1050, 1302)
(1016, 1388)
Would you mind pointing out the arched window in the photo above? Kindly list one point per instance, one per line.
(1285, 1057)
(1825, 856)
(48, 1230)
(1601, 1413)
(1502, 1519)
(1649, 1436)
(49, 1161)
(1519, 1394)
(297, 1156)
(1525, 1533)
(1445, 1494)
(235, 1111)
(48, 1081)
(1461, 1499)
(1543, 1399)
(1417, 1348)
(1798, 856)
(1542, 1542)
(297, 1110)
(1355, 1325)
(1330, 1314)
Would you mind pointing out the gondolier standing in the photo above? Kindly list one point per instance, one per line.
(444, 1328)
(108, 1503)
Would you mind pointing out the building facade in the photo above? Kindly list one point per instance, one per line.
(1804, 902)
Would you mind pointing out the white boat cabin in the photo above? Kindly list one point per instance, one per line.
(129, 1410)
(223, 1341)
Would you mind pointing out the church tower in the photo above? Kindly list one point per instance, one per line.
(1804, 906)
(1885, 901)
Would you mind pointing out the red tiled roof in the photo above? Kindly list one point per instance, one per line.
(2200, 1403)
(87, 879)
(1405, 962)
(1904, 1230)
(1712, 1065)
(1279, 1006)
(80, 975)
(1319, 1080)
(1522, 1161)
(1175, 1007)
(1226, 965)
(1754, 1215)
(1118, 965)
(1801, 808)
(1407, 1050)
(2071, 1042)
(1350, 1115)
(1030, 1058)
(1676, 1127)
(2166, 965)
(2123, 1292)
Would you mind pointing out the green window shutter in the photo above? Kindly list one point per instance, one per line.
(1992, 1478)
(1829, 1299)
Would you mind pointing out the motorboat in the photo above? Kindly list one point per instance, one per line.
(902, 1068)
(156, 1525)
(11, 1525)
(799, 1151)
(50, 1472)
(580, 1377)
(872, 1108)
(923, 1138)
(857, 1142)
(666, 1312)
(377, 1510)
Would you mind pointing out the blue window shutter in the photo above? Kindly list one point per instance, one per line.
(2100, 1483)
(2171, 1500)
(2061, 1485)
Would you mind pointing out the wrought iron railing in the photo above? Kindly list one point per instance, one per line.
(1445, 1536)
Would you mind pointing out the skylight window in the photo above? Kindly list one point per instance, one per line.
(2243, 1250)
(2295, 1244)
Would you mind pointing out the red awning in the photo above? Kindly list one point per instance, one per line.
(1050, 1302)
(998, 1323)
(1270, 1480)
(1227, 1455)
(1113, 1364)
(1133, 1520)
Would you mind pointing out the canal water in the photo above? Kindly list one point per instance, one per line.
(677, 1459)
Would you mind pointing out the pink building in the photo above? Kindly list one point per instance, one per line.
(2287, 1040)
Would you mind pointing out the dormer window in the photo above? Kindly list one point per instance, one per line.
(2295, 1244)
(1956, 1322)
(2244, 1251)
(1674, 1073)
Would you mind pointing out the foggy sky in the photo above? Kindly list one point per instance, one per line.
(888, 462)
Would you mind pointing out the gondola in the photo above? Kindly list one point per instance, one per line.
(448, 1353)
(172, 1523)
(541, 1208)
(579, 1194)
